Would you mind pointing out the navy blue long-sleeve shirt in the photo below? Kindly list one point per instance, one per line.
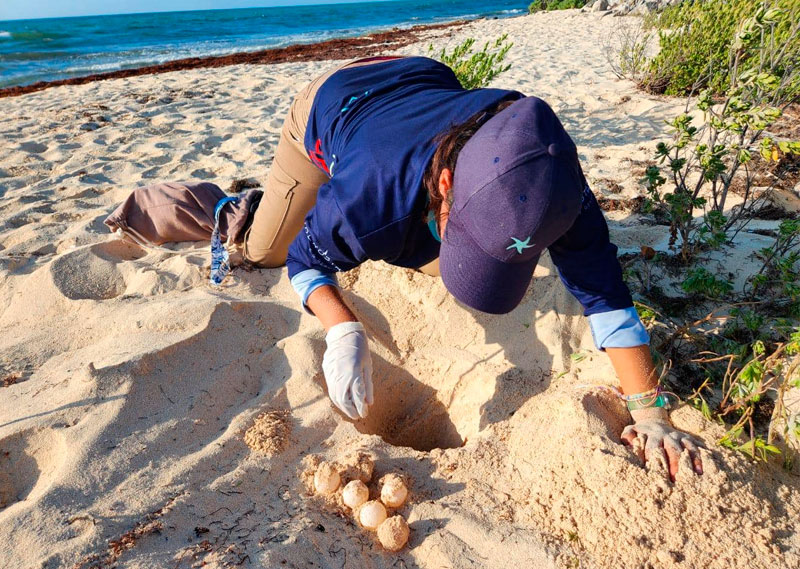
(372, 130)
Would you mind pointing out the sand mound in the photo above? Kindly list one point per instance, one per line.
(270, 433)
(588, 491)
(135, 382)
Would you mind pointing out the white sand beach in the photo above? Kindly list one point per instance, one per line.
(131, 381)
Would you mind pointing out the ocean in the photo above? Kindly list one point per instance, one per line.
(59, 48)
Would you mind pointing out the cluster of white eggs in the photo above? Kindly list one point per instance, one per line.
(371, 514)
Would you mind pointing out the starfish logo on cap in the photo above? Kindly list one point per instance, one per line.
(520, 245)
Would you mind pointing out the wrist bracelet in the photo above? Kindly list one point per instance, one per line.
(646, 400)
(658, 401)
(653, 399)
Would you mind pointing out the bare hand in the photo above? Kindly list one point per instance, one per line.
(657, 440)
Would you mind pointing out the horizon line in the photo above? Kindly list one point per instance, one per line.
(142, 12)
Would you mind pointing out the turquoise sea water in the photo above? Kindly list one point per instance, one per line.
(58, 48)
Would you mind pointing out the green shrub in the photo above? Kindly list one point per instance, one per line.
(780, 274)
(697, 38)
(542, 5)
(477, 69)
(701, 281)
(766, 374)
(698, 166)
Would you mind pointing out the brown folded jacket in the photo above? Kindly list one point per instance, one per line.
(180, 211)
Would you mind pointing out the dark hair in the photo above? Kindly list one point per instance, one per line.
(449, 144)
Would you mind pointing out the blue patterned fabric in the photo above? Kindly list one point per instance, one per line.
(220, 266)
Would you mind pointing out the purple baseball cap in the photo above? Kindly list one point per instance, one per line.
(517, 188)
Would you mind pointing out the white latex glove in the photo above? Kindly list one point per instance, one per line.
(347, 365)
(653, 438)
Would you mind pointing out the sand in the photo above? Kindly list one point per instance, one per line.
(270, 432)
(123, 433)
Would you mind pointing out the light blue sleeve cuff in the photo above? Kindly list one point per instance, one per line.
(618, 329)
(306, 282)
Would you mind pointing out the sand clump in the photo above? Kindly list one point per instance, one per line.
(359, 466)
(590, 491)
(270, 433)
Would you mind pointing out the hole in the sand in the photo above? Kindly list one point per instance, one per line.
(408, 413)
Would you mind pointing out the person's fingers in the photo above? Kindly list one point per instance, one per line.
(359, 397)
(638, 448)
(628, 434)
(654, 453)
(342, 397)
(370, 397)
(347, 407)
(673, 449)
(694, 454)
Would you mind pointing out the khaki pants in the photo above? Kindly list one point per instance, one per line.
(292, 184)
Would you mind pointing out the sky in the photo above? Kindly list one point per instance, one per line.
(25, 9)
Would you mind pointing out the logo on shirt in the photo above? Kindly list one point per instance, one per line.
(317, 158)
(317, 252)
(352, 100)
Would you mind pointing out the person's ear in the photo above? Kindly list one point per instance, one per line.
(445, 183)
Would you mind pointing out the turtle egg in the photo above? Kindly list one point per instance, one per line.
(372, 514)
(394, 491)
(393, 533)
(354, 494)
(326, 478)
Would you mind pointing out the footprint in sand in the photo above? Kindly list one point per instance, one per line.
(158, 160)
(33, 147)
(29, 462)
(93, 272)
(202, 174)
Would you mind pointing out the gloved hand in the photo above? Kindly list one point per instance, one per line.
(347, 366)
(653, 438)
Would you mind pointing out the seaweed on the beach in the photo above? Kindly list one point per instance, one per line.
(240, 184)
(10, 379)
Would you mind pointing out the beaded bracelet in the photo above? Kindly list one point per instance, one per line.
(653, 398)
(645, 400)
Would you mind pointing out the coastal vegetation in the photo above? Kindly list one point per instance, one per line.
(475, 69)
(733, 348)
(698, 39)
(547, 5)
